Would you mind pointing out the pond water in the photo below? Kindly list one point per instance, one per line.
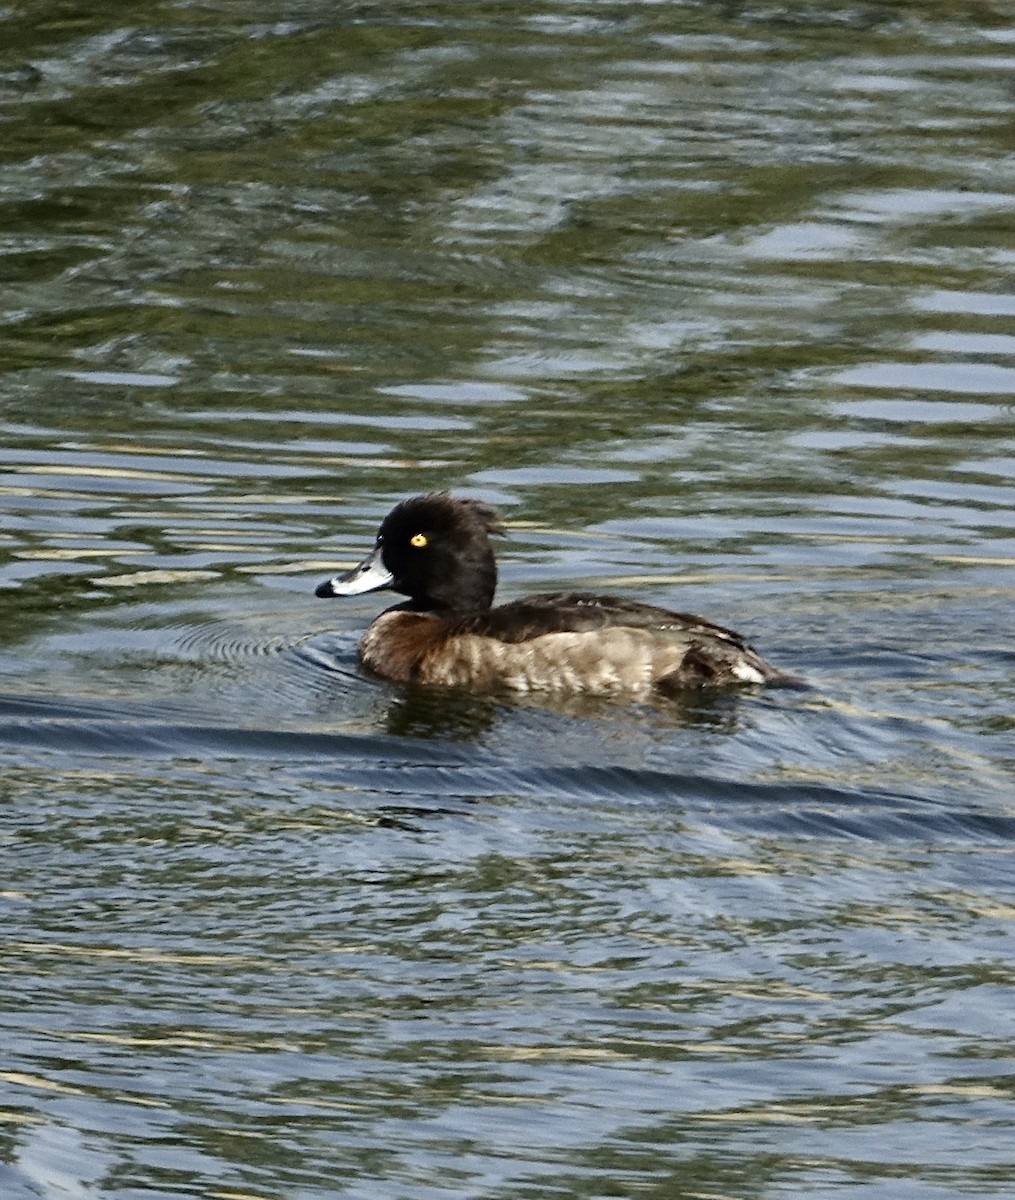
(715, 303)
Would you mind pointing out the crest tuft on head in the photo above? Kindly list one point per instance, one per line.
(442, 510)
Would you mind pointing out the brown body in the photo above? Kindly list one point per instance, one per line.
(519, 647)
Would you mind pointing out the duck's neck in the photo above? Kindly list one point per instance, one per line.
(465, 589)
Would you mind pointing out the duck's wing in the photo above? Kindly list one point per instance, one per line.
(581, 612)
(581, 642)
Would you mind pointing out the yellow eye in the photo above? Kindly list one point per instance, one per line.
(419, 540)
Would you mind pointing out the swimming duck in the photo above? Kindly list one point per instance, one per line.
(436, 550)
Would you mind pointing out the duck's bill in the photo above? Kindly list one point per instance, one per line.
(370, 576)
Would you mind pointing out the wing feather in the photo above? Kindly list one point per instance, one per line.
(580, 612)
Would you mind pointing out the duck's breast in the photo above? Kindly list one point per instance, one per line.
(396, 642)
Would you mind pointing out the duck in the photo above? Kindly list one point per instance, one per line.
(436, 549)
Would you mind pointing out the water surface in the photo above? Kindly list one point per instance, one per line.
(716, 305)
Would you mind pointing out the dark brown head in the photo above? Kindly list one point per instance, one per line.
(434, 549)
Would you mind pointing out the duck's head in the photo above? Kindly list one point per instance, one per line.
(434, 549)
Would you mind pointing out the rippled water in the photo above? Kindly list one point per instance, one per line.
(715, 302)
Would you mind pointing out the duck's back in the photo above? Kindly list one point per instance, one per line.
(582, 612)
(567, 642)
